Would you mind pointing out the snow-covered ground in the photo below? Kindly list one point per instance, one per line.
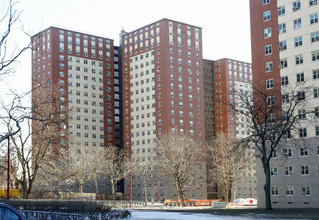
(162, 215)
(153, 215)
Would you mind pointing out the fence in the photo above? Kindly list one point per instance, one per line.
(36, 215)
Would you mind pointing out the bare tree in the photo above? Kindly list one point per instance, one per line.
(116, 166)
(42, 123)
(179, 156)
(9, 51)
(229, 161)
(274, 119)
(84, 164)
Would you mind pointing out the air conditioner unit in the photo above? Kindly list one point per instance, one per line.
(285, 155)
(284, 30)
(295, 9)
(280, 48)
(291, 173)
(280, 66)
(314, 2)
(304, 193)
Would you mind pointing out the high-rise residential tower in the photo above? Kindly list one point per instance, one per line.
(285, 56)
(231, 77)
(84, 70)
(162, 91)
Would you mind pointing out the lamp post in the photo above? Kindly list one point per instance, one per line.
(8, 180)
(131, 168)
(158, 191)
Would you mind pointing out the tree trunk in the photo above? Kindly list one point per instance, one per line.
(81, 187)
(177, 189)
(226, 195)
(267, 185)
(113, 186)
(96, 186)
(145, 188)
(234, 192)
(179, 192)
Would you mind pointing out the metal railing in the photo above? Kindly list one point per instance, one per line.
(36, 215)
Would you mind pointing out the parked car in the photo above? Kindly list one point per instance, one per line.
(7, 212)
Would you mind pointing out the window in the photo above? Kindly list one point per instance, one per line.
(267, 16)
(290, 190)
(302, 114)
(284, 80)
(271, 118)
(306, 190)
(315, 74)
(300, 77)
(317, 112)
(288, 171)
(296, 6)
(268, 49)
(269, 83)
(314, 37)
(266, 2)
(283, 45)
(315, 55)
(268, 67)
(285, 98)
(281, 11)
(316, 93)
(298, 41)
(270, 100)
(297, 23)
(273, 171)
(301, 95)
(267, 32)
(304, 151)
(288, 152)
(283, 63)
(302, 132)
(274, 190)
(285, 116)
(282, 28)
(317, 131)
(314, 18)
(299, 59)
(304, 170)
(6, 213)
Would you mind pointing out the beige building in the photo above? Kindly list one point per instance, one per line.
(285, 50)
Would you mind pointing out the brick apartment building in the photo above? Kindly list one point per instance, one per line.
(162, 91)
(226, 77)
(85, 71)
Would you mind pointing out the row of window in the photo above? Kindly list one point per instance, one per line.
(85, 37)
(304, 170)
(290, 190)
(296, 6)
(303, 152)
(300, 77)
(299, 59)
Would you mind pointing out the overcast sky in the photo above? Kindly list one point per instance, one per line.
(226, 27)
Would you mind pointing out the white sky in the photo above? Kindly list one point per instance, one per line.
(226, 27)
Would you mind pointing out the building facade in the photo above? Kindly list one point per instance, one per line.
(285, 54)
(84, 69)
(162, 91)
(232, 77)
